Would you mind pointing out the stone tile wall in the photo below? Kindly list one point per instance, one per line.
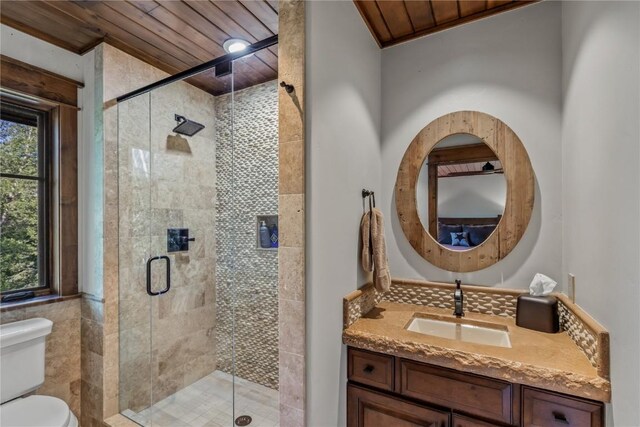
(246, 276)
(291, 206)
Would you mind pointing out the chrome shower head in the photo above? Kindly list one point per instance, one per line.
(187, 127)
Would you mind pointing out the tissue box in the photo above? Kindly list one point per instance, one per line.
(538, 313)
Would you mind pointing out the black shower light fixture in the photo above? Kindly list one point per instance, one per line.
(488, 167)
(187, 127)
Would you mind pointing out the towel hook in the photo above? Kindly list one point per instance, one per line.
(371, 195)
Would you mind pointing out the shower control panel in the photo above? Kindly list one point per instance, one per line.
(178, 239)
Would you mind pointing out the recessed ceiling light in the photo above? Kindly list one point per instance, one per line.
(235, 45)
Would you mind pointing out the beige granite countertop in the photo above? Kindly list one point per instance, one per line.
(548, 361)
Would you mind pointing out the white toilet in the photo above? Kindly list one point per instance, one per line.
(22, 346)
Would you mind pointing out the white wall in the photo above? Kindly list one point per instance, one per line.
(23, 47)
(480, 196)
(601, 174)
(343, 116)
(476, 196)
(508, 66)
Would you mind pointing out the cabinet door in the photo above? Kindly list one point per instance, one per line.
(366, 408)
(546, 409)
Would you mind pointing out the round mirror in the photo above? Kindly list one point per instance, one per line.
(461, 192)
(465, 191)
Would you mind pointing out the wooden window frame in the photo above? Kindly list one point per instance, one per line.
(57, 97)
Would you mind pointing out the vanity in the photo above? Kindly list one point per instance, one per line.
(411, 362)
(464, 197)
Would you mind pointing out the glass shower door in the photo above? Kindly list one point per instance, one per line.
(169, 364)
(134, 249)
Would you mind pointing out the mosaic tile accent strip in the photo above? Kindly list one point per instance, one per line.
(441, 296)
(361, 302)
(584, 337)
(247, 277)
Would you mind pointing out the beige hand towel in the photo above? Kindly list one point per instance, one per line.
(374, 249)
(365, 233)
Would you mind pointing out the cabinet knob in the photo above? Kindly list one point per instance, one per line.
(560, 417)
(368, 369)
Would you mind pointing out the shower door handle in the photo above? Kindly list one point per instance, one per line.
(168, 263)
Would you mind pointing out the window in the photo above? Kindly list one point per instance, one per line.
(25, 200)
(38, 185)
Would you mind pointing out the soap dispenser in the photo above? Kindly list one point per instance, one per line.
(265, 235)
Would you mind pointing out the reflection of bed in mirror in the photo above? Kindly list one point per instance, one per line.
(470, 232)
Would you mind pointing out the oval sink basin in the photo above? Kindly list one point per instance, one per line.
(461, 331)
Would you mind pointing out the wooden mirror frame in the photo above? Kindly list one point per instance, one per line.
(520, 191)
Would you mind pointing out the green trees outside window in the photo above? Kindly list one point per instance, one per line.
(23, 193)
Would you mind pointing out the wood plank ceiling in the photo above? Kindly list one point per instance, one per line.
(170, 35)
(396, 21)
(467, 169)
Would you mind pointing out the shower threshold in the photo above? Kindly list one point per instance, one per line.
(209, 403)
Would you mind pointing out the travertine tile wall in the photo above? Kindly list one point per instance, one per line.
(247, 277)
(291, 260)
(62, 354)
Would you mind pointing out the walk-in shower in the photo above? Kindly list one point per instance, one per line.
(198, 294)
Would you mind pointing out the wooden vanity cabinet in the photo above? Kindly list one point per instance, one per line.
(385, 391)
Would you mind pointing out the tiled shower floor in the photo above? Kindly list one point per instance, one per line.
(208, 403)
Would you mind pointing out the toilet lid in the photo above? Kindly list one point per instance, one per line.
(35, 411)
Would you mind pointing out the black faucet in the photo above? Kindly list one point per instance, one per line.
(458, 300)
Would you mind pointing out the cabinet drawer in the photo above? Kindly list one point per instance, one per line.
(374, 369)
(472, 394)
(547, 409)
(368, 408)
(462, 421)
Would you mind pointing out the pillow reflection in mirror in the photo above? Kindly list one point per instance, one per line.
(460, 239)
(478, 233)
(445, 231)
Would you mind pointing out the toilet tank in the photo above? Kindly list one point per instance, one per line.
(22, 346)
